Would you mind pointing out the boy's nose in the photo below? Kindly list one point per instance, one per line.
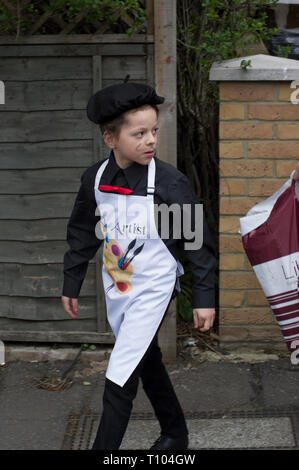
(150, 139)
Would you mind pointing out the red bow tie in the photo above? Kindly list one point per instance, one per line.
(114, 189)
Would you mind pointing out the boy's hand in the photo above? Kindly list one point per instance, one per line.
(203, 318)
(70, 306)
(296, 174)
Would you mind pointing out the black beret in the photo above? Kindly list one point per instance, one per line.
(114, 100)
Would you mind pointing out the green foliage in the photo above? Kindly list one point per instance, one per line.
(92, 347)
(283, 51)
(244, 64)
(216, 29)
(21, 18)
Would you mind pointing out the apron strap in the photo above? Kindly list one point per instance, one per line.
(151, 177)
(99, 174)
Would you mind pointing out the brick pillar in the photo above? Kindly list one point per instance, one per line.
(258, 149)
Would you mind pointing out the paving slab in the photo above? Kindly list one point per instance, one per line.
(219, 433)
(280, 384)
(227, 405)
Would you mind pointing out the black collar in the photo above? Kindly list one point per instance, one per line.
(132, 174)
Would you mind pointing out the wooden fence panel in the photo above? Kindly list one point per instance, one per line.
(46, 143)
(49, 154)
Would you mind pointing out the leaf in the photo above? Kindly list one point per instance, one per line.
(86, 383)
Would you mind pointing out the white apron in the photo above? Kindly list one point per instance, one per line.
(139, 273)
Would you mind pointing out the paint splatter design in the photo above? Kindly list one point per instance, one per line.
(118, 264)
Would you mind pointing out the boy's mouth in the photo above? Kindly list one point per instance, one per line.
(150, 153)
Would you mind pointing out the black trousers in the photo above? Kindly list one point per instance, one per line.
(118, 401)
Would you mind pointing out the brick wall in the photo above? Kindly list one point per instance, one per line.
(259, 148)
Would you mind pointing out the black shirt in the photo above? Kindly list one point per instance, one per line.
(171, 186)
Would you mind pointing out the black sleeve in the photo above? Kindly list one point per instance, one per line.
(201, 260)
(81, 237)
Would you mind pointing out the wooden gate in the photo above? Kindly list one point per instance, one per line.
(46, 142)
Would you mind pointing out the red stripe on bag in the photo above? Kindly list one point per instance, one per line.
(114, 189)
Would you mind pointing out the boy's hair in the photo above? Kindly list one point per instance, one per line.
(114, 126)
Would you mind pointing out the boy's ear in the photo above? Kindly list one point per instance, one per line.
(109, 139)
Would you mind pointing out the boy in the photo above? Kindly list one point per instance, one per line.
(140, 268)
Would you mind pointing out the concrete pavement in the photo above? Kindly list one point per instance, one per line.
(234, 402)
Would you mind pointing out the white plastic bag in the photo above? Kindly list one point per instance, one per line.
(270, 236)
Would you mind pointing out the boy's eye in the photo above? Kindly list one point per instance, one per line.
(140, 133)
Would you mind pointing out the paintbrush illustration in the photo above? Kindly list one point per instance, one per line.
(130, 246)
(136, 252)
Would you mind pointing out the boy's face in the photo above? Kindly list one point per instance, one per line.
(137, 140)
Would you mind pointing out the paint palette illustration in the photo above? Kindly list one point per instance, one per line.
(118, 264)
